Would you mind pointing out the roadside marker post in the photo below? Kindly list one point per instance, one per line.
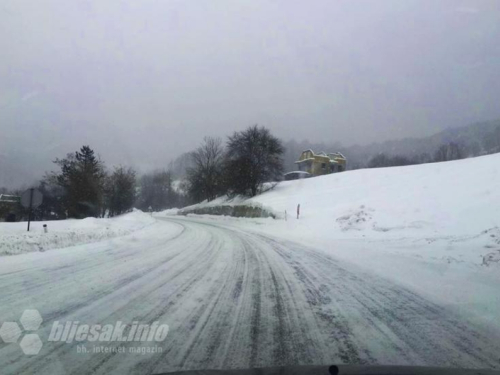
(30, 199)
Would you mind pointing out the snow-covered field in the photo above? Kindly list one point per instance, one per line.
(455, 204)
(14, 238)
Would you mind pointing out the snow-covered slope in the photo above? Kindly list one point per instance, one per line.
(457, 198)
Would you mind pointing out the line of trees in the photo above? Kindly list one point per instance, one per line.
(249, 159)
(83, 187)
(445, 152)
(156, 190)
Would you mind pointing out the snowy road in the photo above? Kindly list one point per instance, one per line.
(232, 298)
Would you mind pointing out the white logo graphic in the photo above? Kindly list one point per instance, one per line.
(74, 331)
(30, 321)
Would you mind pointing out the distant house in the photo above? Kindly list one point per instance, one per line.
(322, 163)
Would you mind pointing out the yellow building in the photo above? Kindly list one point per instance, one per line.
(320, 164)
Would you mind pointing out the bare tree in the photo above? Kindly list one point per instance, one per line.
(120, 190)
(205, 176)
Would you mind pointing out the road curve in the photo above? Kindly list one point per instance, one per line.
(232, 299)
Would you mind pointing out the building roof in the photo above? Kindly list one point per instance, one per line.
(337, 155)
(332, 157)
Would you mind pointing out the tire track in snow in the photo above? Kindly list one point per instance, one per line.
(431, 334)
(235, 299)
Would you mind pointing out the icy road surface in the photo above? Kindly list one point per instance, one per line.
(232, 298)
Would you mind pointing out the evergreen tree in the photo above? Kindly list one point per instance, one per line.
(82, 177)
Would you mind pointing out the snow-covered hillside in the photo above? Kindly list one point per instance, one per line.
(453, 198)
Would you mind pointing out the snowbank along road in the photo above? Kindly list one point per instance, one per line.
(232, 299)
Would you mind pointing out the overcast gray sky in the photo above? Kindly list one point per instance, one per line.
(143, 81)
